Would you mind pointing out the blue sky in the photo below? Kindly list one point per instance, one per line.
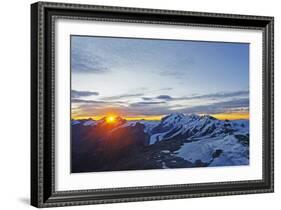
(145, 77)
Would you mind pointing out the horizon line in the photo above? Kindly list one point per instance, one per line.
(219, 116)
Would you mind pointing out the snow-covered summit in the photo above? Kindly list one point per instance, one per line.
(194, 126)
(177, 125)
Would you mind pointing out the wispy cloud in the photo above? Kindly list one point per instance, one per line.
(75, 100)
(90, 108)
(123, 96)
(83, 61)
(158, 77)
(143, 92)
(221, 95)
(96, 102)
(79, 94)
(183, 65)
(219, 107)
(164, 97)
(167, 89)
(206, 96)
(147, 103)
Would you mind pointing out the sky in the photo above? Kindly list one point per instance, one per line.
(150, 78)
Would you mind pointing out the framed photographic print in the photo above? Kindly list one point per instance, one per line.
(132, 104)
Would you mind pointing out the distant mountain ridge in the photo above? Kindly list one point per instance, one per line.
(178, 124)
(189, 141)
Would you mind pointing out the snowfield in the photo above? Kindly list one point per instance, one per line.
(233, 153)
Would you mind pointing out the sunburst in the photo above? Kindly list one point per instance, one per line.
(110, 119)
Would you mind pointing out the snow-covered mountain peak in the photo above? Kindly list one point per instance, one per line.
(193, 116)
(180, 118)
(208, 117)
(175, 117)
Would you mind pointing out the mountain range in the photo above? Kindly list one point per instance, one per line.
(175, 141)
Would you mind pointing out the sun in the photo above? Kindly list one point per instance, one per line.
(110, 119)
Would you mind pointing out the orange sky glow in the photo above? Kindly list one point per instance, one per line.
(220, 116)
